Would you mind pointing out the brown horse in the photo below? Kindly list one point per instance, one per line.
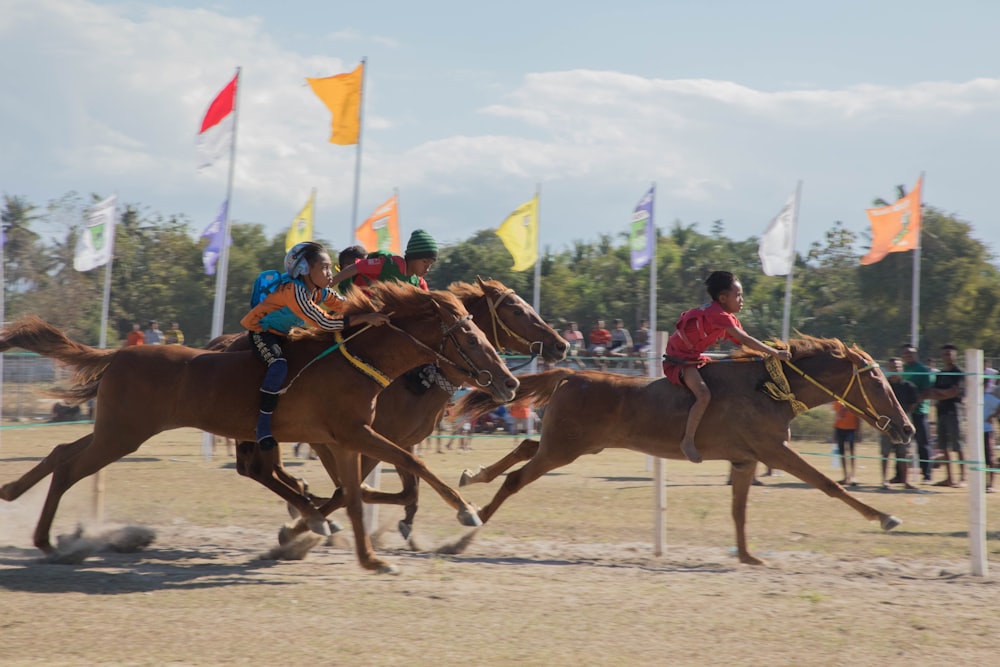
(144, 390)
(409, 408)
(747, 420)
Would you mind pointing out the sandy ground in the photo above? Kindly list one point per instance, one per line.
(563, 575)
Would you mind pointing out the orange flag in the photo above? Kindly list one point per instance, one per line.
(381, 230)
(342, 96)
(895, 228)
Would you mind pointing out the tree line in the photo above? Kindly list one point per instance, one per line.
(158, 274)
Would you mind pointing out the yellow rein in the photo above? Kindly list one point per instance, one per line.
(774, 368)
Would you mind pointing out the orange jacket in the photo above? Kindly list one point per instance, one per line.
(846, 418)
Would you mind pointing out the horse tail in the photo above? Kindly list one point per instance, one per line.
(34, 334)
(536, 388)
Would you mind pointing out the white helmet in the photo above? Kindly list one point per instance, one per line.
(296, 263)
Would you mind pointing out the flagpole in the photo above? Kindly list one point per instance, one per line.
(222, 268)
(786, 318)
(915, 310)
(357, 154)
(537, 294)
(653, 371)
(3, 300)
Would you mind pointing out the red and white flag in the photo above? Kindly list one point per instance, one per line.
(215, 137)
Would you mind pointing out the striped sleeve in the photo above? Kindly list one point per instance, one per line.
(312, 313)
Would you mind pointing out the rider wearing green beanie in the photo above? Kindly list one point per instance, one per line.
(421, 253)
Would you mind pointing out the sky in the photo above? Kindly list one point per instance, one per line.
(470, 107)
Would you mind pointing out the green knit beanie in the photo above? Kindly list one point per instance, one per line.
(421, 246)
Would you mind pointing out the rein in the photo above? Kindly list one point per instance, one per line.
(780, 390)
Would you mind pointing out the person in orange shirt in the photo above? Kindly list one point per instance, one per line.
(845, 426)
(135, 336)
(521, 412)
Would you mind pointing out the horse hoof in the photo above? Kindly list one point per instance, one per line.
(319, 526)
(292, 511)
(334, 527)
(889, 522)
(469, 517)
(404, 529)
(466, 478)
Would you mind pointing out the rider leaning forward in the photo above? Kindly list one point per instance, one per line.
(697, 330)
(299, 302)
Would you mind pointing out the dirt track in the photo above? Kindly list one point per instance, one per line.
(563, 575)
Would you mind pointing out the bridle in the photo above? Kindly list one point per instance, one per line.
(882, 422)
(475, 374)
(497, 321)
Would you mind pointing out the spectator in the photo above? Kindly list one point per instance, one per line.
(947, 391)
(845, 427)
(135, 336)
(599, 339)
(521, 413)
(640, 341)
(173, 335)
(574, 337)
(906, 394)
(991, 410)
(621, 340)
(153, 334)
(920, 376)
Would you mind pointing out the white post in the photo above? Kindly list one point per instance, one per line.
(659, 477)
(975, 454)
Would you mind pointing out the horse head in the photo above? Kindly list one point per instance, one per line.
(439, 321)
(508, 321)
(830, 370)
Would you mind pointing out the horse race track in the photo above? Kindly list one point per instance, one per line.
(563, 575)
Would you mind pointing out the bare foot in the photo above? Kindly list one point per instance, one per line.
(690, 451)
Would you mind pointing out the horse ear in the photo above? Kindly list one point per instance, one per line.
(479, 281)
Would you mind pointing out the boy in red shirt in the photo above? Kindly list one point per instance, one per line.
(697, 330)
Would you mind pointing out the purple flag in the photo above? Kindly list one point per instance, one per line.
(214, 232)
(642, 233)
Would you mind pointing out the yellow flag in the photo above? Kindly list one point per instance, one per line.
(896, 227)
(519, 233)
(381, 230)
(342, 96)
(302, 226)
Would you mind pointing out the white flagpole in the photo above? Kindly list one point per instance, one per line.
(357, 154)
(222, 268)
(786, 317)
(653, 371)
(915, 310)
(3, 321)
(99, 476)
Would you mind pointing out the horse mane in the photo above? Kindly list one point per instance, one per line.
(806, 346)
(464, 290)
(400, 300)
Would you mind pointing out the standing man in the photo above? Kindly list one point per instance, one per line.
(173, 335)
(947, 391)
(906, 394)
(920, 376)
(153, 334)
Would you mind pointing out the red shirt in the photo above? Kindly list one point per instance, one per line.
(135, 338)
(600, 336)
(697, 330)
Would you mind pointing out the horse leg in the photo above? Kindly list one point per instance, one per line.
(406, 497)
(59, 454)
(742, 479)
(262, 467)
(784, 458)
(523, 452)
(366, 441)
(350, 477)
(526, 474)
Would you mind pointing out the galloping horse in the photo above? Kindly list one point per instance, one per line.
(746, 422)
(144, 390)
(409, 408)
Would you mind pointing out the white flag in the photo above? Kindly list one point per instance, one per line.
(95, 245)
(777, 245)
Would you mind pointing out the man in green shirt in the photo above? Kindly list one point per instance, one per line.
(920, 376)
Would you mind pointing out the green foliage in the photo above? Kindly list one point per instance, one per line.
(158, 274)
